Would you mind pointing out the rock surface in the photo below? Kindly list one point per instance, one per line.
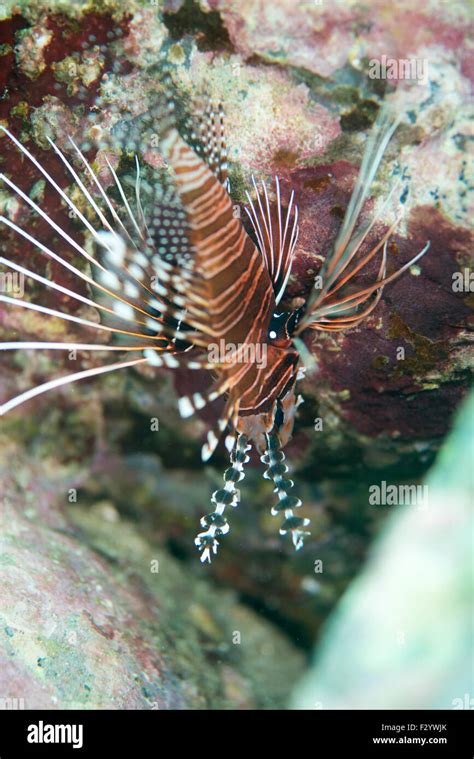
(401, 637)
(95, 616)
(294, 81)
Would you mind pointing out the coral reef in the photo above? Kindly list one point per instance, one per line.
(293, 78)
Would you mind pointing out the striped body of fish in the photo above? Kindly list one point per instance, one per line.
(177, 278)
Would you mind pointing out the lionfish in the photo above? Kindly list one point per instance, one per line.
(180, 272)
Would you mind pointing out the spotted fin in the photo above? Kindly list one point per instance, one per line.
(206, 135)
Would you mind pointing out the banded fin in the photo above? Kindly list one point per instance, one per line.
(131, 312)
(213, 437)
(216, 523)
(276, 471)
(323, 310)
(189, 404)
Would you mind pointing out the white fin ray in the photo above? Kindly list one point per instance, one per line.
(59, 382)
(277, 254)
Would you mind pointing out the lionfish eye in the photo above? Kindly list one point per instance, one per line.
(283, 325)
(277, 329)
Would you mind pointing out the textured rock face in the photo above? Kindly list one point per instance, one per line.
(295, 84)
(401, 637)
(95, 616)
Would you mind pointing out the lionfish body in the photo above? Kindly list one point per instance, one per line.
(186, 276)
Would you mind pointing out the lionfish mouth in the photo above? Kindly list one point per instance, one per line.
(174, 269)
